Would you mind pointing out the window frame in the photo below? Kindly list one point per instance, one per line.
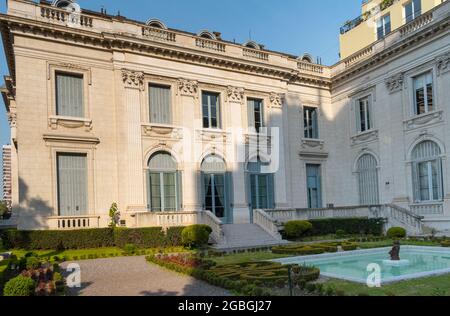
(52, 70)
(415, 13)
(74, 75)
(218, 110)
(261, 113)
(368, 114)
(383, 25)
(310, 127)
(424, 87)
(171, 101)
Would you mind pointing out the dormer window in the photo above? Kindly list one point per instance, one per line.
(252, 45)
(156, 24)
(62, 3)
(207, 35)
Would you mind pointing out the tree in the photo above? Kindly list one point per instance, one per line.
(3, 209)
(114, 215)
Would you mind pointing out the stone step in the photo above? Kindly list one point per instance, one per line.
(245, 237)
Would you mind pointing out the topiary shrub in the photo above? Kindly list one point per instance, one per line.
(297, 229)
(19, 286)
(196, 235)
(396, 232)
(445, 243)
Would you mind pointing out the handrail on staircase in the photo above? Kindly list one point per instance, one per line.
(267, 223)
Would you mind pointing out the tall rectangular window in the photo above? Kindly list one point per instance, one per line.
(412, 10)
(211, 110)
(311, 129)
(255, 113)
(423, 93)
(383, 26)
(72, 184)
(69, 95)
(160, 104)
(363, 114)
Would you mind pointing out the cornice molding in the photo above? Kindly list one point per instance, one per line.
(123, 42)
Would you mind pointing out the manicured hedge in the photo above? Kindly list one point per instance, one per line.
(141, 237)
(396, 232)
(372, 226)
(91, 238)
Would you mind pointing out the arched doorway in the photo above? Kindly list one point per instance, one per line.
(164, 184)
(260, 187)
(217, 188)
(368, 180)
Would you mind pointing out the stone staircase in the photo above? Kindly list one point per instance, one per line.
(244, 237)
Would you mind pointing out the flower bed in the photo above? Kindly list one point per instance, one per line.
(32, 276)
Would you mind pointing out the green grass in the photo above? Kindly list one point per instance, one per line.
(430, 286)
(81, 254)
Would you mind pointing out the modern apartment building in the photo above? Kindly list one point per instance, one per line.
(6, 168)
(379, 18)
(180, 128)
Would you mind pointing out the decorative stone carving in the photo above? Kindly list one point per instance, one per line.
(365, 137)
(395, 83)
(133, 79)
(235, 94)
(276, 100)
(443, 63)
(313, 143)
(12, 118)
(55, 121)
(188, 87)
(159, 131)
(424, 119)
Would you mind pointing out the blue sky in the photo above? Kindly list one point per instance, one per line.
(291, 26)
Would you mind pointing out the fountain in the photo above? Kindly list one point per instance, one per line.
(395, 257)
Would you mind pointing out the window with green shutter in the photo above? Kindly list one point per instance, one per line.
(160, 104)
(69, 95)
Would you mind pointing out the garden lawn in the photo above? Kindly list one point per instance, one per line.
(82, 254)
(430, 286)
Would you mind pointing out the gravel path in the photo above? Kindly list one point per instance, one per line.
(134, 276)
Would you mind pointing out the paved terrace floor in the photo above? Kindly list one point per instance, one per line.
(134, 276)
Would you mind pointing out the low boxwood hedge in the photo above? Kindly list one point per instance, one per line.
(91, 238)
(313, 249)
(350, 226)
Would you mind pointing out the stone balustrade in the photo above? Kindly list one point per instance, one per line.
(255, 54)
(427, 208)
(62, 16)
(416, 24)
(310, 67)
(73, 222)
(158, 34)
(210, 44)
(267, 223)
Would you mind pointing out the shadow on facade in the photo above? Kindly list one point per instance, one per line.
(32, 209)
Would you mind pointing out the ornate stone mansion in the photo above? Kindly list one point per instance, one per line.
(105, 109)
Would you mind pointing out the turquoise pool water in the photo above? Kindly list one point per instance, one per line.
(352, 266)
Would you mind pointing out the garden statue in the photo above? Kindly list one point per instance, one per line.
(395, 252)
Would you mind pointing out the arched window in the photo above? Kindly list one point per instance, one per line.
(207, 35)
(252, 44)
(427, 172)
(260, 187)
(217, 187)
(164, 184)
(367, 180)
(156, 23)
(62, 3)
(306, 58)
